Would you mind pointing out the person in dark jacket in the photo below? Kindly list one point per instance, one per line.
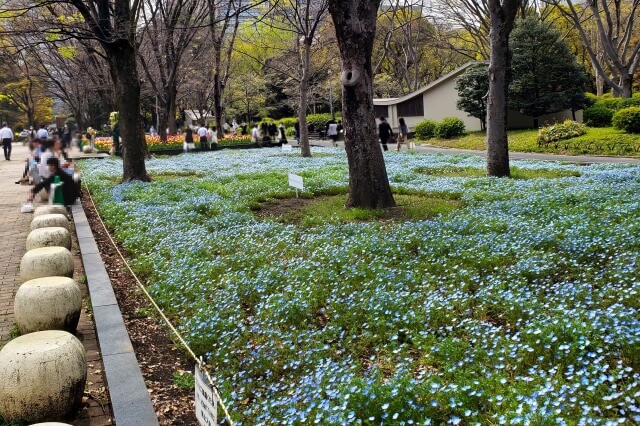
(70, 189)
(385, 131)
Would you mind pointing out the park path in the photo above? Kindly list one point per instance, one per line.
(14, 228)
(579, 159)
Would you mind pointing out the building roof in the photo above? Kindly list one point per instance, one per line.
(195, 115)
(453, 74)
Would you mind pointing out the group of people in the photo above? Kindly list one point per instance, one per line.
(207, 136)
(46, 164)
(385, 132)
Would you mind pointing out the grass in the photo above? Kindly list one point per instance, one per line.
(184, 380)
(597, 141)
(516, 172)
(329, 210)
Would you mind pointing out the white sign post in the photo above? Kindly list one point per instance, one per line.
(206, 401)
(296, 182)
(287, 147)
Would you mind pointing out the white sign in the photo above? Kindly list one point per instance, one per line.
(287, 147)
(206, 401)
(295, 181)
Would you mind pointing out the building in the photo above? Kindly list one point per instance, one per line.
(197, 117)
(438, 100)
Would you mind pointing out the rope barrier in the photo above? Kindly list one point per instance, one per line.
(202, 365)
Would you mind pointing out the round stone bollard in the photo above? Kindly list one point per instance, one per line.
(87, 149)
(49, 237)
(51, 303)
(49, 220)
(46, 262)
(42, 376)
(50, 209)
(51, 424)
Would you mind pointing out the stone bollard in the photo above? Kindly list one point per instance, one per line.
(42, 376)
(51, 424)
(49, 237)
(49, 220)
(87, 149)
(46, 262)
(50, 209)
(51, 303)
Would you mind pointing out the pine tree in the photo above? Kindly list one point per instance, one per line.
(472, 87)
(546, 75)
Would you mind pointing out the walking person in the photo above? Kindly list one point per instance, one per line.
(403, 132)
(385, 132)
(332, 132)
(42, 133)
(202, 134)
(6, 134)
(188, 139)
(282, 133)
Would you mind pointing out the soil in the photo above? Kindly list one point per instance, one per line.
(157, 355)
(279, 208)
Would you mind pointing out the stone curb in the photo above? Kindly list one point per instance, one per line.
(130, 399)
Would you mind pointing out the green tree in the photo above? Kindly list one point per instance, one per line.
(472, 87)
(546, 76)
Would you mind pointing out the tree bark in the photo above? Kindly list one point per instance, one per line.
(171, 117)
(502, 18)
(304, 102)
(355, 24)
(122, 61)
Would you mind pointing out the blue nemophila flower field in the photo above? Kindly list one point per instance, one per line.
(521, 307)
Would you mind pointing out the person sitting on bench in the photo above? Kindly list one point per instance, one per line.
(70, 190)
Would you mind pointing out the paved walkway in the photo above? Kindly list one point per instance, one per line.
(580, 159)
(14, 228)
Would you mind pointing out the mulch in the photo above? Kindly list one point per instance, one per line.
(157, 355)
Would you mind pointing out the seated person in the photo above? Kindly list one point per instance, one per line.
(70, 190)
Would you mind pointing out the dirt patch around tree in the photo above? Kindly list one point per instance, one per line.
(157, 355)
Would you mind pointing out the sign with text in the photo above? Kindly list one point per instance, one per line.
(206, 400)
(287, 148)
(295, 181)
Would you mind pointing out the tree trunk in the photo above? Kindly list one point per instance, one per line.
(122, 60)
(217, 91)
(626, 83)
(502, 19)
(355, 24)
(302, 107)
(171, 117)
(163, 119)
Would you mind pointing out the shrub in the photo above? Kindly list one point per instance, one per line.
(610, 103)
(593, 98)
(320, 120)
(449, 127)
(425, 129)
(597, 116)
(627, 119)
(630, 102)
(560, 131)
(287, 121)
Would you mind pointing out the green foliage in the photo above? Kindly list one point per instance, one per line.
(516, 173)
(287, 121)
(592, 97)
(613, 104)
(630, 102)
(184, 380)
(560, 131)
(449, 127)
(114, 117)
(71, 123)
(320, 120)
(597, 115)
(425, 129)
(597, 141)
(627, 119)
(546, 76)
(472, 87)
(330, 210)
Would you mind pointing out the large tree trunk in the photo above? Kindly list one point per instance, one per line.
(302, 107)
(122, 60)
(502, 17)
(217, 91)
(163, 119)
(171, 117)
(355, 24)
(626, 83)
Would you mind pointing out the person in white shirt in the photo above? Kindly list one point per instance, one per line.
(6, 134)
(202, 133)
(47, 152)
(255, 134)
(332, 132)
(42, 133)
(212, 137)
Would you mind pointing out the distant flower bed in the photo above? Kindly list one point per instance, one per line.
(173, 142)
